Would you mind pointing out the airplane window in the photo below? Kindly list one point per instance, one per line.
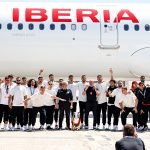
(73, 27)
(52, 26)
(9, 26)
(31, 26)
(63, 26)
(84, 27)
(126, 27)
(20, 26)
(136, 27)
(41, 26)
(0, 26)
(147, 27)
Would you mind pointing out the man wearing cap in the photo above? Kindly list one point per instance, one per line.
(65, 103)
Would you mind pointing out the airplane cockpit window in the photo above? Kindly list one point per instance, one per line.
(147, 27)
(84, 27)
(0, 26)
(136, 27)
(73, 27)
(63, 26)
(52, 26)
(20, 26)
(31, 26)
(126, 27)
(41, 26)
(9, 26)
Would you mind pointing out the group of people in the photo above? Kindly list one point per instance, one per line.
(22, 100)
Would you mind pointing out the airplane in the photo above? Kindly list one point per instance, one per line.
(75, 38)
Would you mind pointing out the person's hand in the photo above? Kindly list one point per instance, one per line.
(10, 105)
(109, 93)
(41, 71)
(110, 70)
(135, 110)
(56, 106)
(142, 112)
(84, 93)
(122, 110)
(71, 107)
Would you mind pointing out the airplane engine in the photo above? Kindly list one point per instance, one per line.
(140, 62)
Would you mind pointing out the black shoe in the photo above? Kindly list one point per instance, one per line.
(49, 128)
(41, 128)
(86, 128)
(68, 128)
(60, 128)
(56, 126)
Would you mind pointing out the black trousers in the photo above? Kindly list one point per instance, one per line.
(28, 116)
(91, 107)
(17, 113)
(41, 110)
(73, 110)
(144, 116)
(4, 113)
(103, 108)
(110, 113)
(126, 112)
(49, 114)
(82, 106)
(64, 107)
(56, 114)
(116, 115)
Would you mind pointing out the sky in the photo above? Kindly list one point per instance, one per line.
(89, 1)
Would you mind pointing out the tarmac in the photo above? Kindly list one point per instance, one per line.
(65, 139)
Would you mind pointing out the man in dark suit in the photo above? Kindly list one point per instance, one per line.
(130, 141)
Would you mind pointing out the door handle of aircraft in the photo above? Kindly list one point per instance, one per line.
(109, 46)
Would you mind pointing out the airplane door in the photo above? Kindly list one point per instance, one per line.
(109, 35)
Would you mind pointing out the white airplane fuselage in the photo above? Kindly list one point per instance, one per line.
(75, 50)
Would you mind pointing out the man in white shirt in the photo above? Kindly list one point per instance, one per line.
(38, 101)
(116, 93)
(4, 108)
(73, 87)
(49, 106)
(82, 98)
(28, 111)
(102, 87)
(128, 103)
(16, 101)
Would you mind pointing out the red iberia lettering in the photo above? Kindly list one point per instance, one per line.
(36, 15)
(57, 13)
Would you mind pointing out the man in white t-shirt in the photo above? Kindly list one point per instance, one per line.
(116, 93)
(102, 87)
(4, 108)
(38, 101)
(128, 104)
(16, 100)
(82, 98)
(73, 87)
(50, 106)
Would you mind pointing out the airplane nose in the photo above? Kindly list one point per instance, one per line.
(140, 62)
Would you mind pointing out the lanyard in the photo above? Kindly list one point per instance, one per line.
(32, 91)
(7, 89)
(144, 93)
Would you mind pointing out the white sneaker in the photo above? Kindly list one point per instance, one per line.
(33, 128)
(141, 128)
(25, 128)
(30, 128)
(9, 126)
(13, 129)
(109, 127)
(104, 127)
(5, 127)
(18, 127)
(22, 129)
(98, 127)
(81, 126)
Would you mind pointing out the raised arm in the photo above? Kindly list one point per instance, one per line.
(111, 74)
